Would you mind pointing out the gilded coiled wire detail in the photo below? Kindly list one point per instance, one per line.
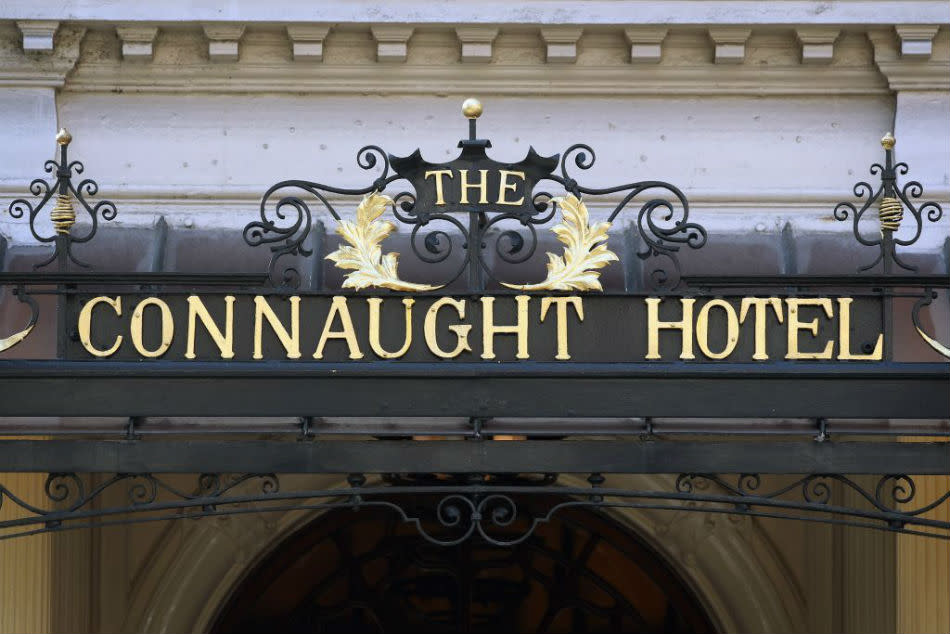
(63, 214)
(890, 212)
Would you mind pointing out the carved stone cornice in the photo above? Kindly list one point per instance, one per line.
(307, 41)
(223, 41)
(601, 67)
(561, 43)
(482, 79)
(476, 42)
(916, 40)
(730, 43)
(38, 34)
(392, 42)
(137, 41)
(646, 43)
(497, 12)
(904, 72)
(39, 67)
(818, 43)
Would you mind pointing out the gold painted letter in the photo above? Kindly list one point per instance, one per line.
(138, 321)
(374, 306)
(844, 336)
(760, 303)
(654, 325)
(225, 341)
(439, 191)
(85, 325)
(489, 329)
(291, 340)
(338, 307)
(562, 304)
(461, 330)
(504, 187)
(481, 186)
(794, 326)
(732, 329)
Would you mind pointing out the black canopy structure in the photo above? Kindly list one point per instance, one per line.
(428, 426)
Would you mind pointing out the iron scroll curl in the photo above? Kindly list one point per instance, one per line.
(662, 224)
(433, 233)
(63, 215)
(459, 510)
(892, 201)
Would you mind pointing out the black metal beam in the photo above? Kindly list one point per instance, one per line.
(844, 390)
(106, 278)
(542, 456)
(837, 281)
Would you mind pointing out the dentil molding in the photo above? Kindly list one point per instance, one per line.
(630, 60)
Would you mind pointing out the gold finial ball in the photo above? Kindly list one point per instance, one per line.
(472, 108)
(888, 141)
(63, 137)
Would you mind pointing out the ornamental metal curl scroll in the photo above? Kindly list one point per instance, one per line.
(892, 200)
(486, 508)
(63, 214)
(926, 300)
(662, 223)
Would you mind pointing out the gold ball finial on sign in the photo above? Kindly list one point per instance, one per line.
(63, 137)
(888, 141)
(472, 108)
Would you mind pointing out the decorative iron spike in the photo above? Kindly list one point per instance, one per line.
(63, 214)
(891, 201)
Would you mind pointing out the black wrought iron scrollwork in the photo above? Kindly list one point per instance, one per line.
(663, 225)
(63, 214)
(507, 233)
(927, 299)
(892, 202)
(287, 227)
(8, 342)
(453, 509)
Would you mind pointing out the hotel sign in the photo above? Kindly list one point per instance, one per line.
(469, 326)
(490, 328)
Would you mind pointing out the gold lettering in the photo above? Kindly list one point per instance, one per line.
(138, 321)
(654, 325)
(489, 329)
(504, 186)
(439, 191)
(374, 306)
(844, 336)
(760, 304)
(291, 340)
(562, 303)
(85, 325)
(732, 329)
(225, 341)
(794, 326)
(461, 331)
(481, 186)
(339, 307)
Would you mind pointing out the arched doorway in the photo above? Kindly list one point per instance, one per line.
(370, 572)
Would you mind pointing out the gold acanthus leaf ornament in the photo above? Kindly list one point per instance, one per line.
(364, 256)
(585, 251)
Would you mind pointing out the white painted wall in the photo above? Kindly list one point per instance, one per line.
(754, 145)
